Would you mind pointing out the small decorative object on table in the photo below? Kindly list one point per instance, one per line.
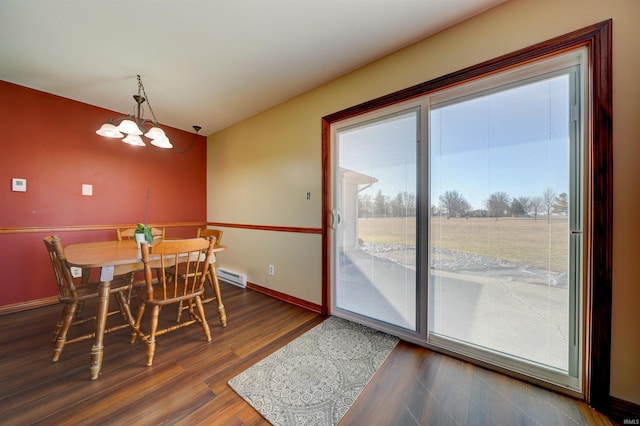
(143, 233)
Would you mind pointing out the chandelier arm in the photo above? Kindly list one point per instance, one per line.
(140, 112)
(136, 114)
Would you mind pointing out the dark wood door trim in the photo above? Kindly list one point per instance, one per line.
(597, 38)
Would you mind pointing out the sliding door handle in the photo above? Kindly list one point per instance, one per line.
(336, 219)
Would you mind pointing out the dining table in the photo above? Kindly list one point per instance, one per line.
(116, 258)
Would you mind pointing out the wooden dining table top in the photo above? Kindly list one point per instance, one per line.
(107, 253)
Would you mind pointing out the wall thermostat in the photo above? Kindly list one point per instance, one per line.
(19, 185)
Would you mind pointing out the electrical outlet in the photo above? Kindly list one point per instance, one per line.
(272, 270)
(76, 272)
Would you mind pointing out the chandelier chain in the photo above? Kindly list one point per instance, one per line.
(144, 94)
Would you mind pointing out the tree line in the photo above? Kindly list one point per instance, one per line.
(500, 204)
(453, 204)
(402, 205)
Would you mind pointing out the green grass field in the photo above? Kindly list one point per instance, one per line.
(539, 243)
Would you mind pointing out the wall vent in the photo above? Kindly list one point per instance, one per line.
(232, 277)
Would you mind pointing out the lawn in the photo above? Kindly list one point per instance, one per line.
(538, 243)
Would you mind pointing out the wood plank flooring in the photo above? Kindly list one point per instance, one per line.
(187, 384)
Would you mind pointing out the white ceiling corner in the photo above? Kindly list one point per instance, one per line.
(206, 62)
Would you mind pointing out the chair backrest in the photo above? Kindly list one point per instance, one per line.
(128, 233)
(205, 233)
(180, 266)
(61, 269)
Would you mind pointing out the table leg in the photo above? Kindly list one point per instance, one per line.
(222, 313)
(101, 323)
(84, 280)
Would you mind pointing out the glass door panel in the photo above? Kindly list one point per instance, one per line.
(501, 281)
(374, 220)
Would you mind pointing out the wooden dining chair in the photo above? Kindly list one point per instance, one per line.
(73, 292)
(207, 232)
(212, 278)
(127, 233)
(183, 265)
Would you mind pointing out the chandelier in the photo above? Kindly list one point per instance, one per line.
(133, 126)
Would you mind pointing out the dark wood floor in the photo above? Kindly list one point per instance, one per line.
(187, 384)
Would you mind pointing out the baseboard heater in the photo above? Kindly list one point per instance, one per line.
(232, 277)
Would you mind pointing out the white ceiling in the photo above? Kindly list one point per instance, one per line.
(206, 62)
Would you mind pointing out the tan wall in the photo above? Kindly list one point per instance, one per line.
(261, 169)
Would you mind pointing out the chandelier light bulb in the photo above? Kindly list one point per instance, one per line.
(134, 140)
(109, 130)
(129, 127)
(161, 143)
(156, 133)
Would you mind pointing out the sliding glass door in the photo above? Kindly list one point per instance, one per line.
(457, 219)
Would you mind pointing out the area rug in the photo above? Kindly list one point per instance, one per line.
(314, 379)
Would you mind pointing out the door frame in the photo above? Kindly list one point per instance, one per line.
(597, 38)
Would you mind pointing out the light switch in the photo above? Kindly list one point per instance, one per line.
(87, 189)
(19, 185)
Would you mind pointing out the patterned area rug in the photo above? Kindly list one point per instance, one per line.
(315, 378)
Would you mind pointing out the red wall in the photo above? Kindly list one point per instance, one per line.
(51, 142)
